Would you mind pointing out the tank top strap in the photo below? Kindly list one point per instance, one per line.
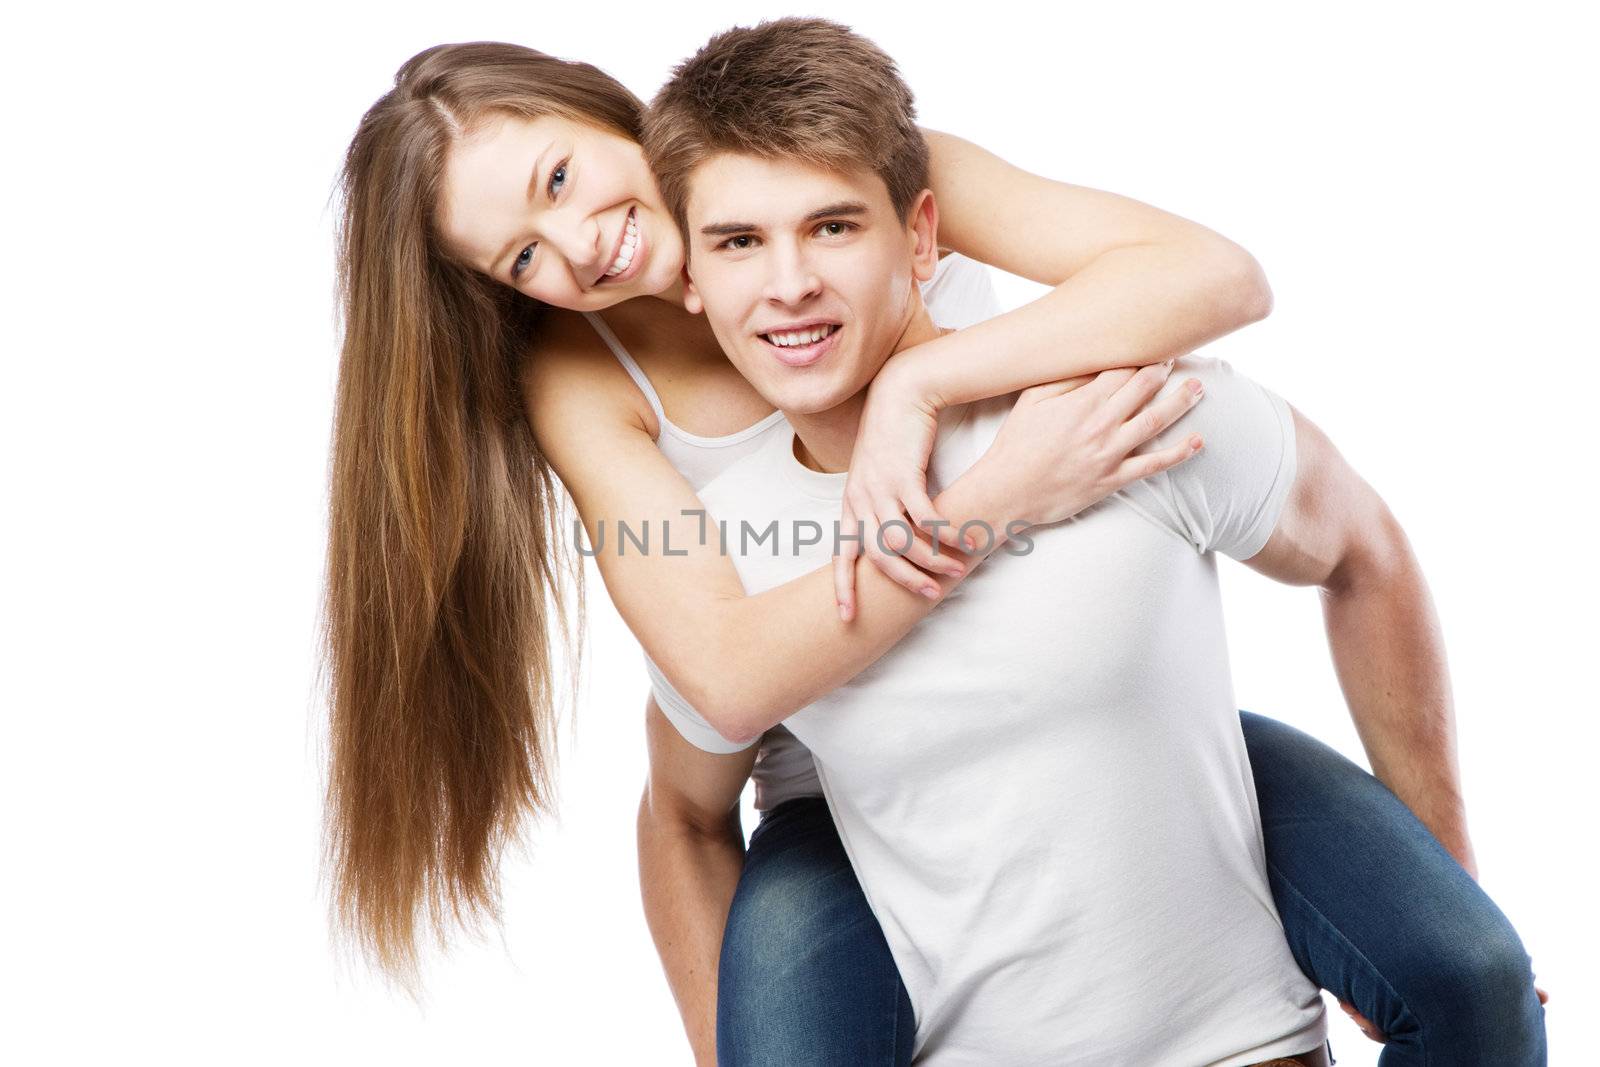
(629, 364)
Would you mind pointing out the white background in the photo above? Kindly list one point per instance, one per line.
(1419, 183)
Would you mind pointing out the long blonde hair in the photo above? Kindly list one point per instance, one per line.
(446, 563)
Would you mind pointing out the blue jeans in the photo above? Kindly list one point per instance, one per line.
(1373, 907)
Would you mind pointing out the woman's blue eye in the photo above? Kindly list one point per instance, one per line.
(558, 178)
(523, 259)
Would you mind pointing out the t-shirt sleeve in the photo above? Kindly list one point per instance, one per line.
(689, 722)
(1228, 498)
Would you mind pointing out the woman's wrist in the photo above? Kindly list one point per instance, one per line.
(911, 379)
(977, 506)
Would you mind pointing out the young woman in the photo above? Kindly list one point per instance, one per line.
(512, 308)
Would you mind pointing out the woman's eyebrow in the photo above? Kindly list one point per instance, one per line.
(538, 169)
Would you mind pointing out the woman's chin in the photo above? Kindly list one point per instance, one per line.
(602, 298)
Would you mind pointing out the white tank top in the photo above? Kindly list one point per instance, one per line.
(959, 294)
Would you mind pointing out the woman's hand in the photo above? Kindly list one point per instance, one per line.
(888, 481)
(1069, 444)
(1064, 446)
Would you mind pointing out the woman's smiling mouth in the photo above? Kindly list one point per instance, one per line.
(627, 258)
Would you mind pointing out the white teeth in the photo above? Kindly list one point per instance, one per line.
(790, 338)
(630, 245)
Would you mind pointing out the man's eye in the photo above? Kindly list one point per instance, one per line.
(523, 259)
(835, 229)
(558, 178)
(739, 243)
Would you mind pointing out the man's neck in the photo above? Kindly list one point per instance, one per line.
(825, 439)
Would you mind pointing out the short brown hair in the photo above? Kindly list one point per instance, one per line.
(797, 87)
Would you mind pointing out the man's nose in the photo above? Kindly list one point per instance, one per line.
(791, 279)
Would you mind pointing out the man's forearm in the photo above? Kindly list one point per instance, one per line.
(687, 877)
(1389, 654)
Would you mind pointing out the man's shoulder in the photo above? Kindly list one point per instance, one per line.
(1235, 412)
(965, 432)
(1228, 496)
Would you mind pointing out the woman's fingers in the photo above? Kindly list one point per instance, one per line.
(1157, 415)
(888, 540)
(900, 570)
(1143, 466)
(844, 567)
(1137, 391)
(922, 554)
(925, 515)
(893, 539)
(1107, 382)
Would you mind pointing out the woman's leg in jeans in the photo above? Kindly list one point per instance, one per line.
(806, 978)
(1379, 914)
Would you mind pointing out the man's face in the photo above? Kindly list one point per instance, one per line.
(807, 276)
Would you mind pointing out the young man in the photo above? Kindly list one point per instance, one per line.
(1044, 789)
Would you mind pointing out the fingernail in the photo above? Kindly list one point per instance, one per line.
(1195, 443)
(931, 592)
(1195, 387)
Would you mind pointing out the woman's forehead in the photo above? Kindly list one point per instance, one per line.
(487, 178)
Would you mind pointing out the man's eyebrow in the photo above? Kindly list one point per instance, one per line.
(831, 211)
(533, 186)
(727, 229)
(843, 207)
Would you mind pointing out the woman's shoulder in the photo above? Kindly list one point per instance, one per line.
(568, 367)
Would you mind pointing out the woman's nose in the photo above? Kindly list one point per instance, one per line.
(578, 241)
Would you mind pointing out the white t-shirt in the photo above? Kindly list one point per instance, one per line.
(1044, 788)
(960, 293)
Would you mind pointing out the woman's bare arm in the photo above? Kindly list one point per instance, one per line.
(749, 662)
(745, 663)
(1133, 285)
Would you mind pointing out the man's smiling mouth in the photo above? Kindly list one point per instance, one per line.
(802, 344)
(794, 338)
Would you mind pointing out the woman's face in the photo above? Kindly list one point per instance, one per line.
(565, 212)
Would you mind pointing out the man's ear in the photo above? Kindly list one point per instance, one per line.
(691, 296)
(924, 235)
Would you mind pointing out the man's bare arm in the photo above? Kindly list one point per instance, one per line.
(1336, 533)
(691, 850)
